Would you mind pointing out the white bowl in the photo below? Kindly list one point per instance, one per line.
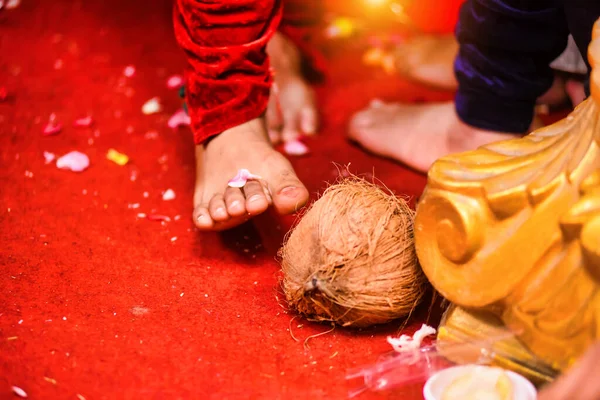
(435, 385)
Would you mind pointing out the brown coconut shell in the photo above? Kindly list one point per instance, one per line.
(351, 259)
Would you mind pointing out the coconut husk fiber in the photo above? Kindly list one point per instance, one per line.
(351, 258)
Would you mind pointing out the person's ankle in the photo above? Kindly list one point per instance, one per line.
(253, 131)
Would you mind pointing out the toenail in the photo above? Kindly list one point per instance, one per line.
(254, 198)
(290, 191)
(203, 219)
(234, 204)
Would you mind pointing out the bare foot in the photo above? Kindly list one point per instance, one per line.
(218, 207)
(429, 60)
(292, 107)
(416, 134)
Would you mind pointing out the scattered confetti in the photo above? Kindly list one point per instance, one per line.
(58, 64)
(129, 129)
(129, 71)
(20, 322)
(169, 194)
(158, 217)
(295, 148)
(174, 238)
(177, 217)
(74, 161)
(83, 122)
(175, 82)
(116, 157)
(141, 215)
(152, 106)
(178, 119)
(19, 392)
(49, 157)
(28, 174)
(408, 343)
(80, 397)
(52, 127)
(50, 380)
(133, 205)
(146, 195)
(241, 178)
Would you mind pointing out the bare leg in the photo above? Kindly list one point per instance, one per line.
(292, 107)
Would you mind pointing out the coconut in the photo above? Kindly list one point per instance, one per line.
(351, 258)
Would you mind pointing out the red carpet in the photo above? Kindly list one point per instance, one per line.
(98, 303)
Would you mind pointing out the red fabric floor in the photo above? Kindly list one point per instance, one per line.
(98, 303)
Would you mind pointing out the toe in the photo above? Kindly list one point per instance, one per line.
(256, 199)
(235, 202)
(202, 218)
(291, 130)
(289, 194)
(308, 120)
(217, 208)
(358, 124)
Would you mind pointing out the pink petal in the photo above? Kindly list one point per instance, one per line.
(169, 194)
(158, 217)
(52, 127)
(83, 122)
(152, 106)
(74, 161)
(129, 71)
(241, 178)
(179, 118)
(174, 82)
(49, 157)
(295, 148)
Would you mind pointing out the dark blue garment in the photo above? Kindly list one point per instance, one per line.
(506, 47)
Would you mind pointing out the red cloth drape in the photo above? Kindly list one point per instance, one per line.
(228, 79)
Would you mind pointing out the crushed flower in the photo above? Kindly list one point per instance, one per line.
(52, 127)
(74, 161)
(175, 82)
(152, 106)
(178, 119)
(19, 392)
(49, 157)
(407, 343)
(241, 178)
(169, 194)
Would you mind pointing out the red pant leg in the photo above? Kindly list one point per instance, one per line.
(228, 79)
(302, 22)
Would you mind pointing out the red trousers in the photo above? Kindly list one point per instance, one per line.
(228, 79)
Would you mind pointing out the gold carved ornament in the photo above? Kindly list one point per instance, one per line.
(510, 234)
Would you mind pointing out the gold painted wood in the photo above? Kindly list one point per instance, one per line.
(514, 228)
